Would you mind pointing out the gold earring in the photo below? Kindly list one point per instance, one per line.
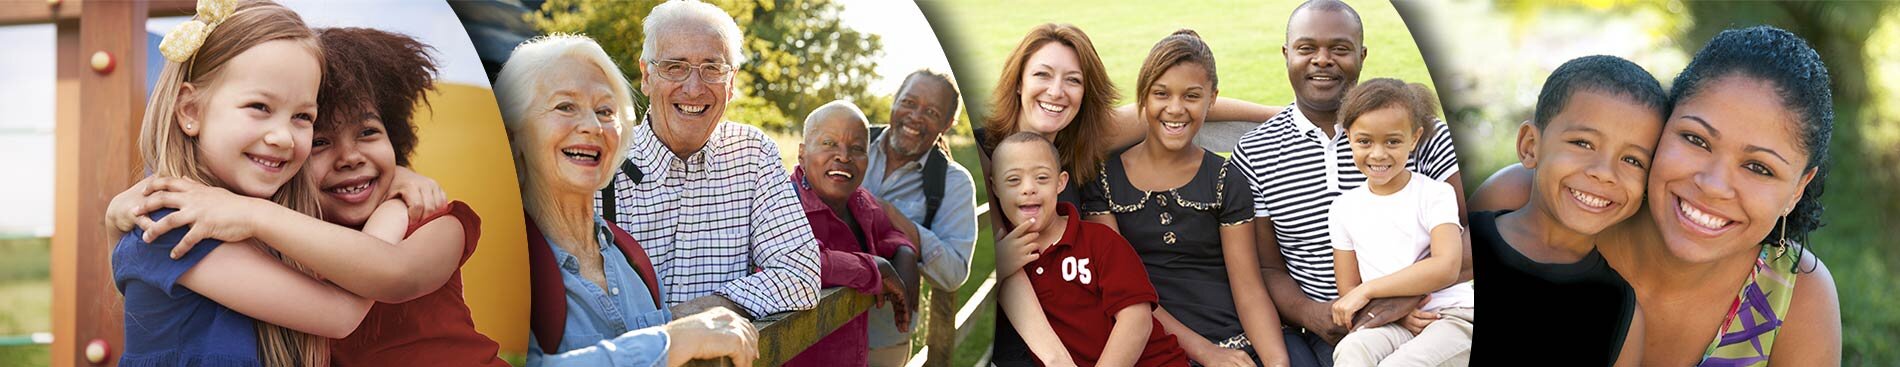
(1782, 243)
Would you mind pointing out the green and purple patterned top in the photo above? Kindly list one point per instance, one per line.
(1755, 317)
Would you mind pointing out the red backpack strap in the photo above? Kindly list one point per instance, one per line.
(638, 258)
(548, 307)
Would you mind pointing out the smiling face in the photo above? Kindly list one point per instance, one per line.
(833, 154)
(919, 115)
(353, 166)
(1592, 158)
(1027, 180)
(257, 117)
(1728, 165)
(565, 140)
(1323, 54)
(685, 112)
(1052, 89)
(1176, 105)
(1381, 140)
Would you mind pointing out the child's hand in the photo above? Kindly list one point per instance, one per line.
(1418, 320)
(1017, 248)
(893, 293)
(211, 212)
(1346, 306)
(420, 192)
(126, 209)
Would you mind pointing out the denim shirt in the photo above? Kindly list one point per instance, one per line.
(617, 326)
(946, 248)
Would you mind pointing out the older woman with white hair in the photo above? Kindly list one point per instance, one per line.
(596, 299)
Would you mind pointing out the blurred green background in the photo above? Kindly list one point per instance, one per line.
(1245, 36)
(1492, 58)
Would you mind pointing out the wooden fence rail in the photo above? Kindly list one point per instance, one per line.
(782, 336)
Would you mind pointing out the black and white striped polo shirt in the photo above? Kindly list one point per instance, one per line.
(1295, 171)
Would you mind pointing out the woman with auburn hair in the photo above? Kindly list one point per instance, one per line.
(1053, 85)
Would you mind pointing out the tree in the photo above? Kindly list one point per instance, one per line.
(799, 55)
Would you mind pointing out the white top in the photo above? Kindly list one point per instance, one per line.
(1295, 171)
(1391, 232)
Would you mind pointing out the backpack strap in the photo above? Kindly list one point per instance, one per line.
(548, 303)
(935, 165)
(936, 162)
(608, 208)
(637, 257)
(547, 296)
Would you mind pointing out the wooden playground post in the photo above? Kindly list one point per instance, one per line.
(95, 141)
(96, 144)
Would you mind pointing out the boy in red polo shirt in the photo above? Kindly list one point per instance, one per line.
(1088, 282)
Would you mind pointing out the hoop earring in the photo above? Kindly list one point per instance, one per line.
(1782, 243)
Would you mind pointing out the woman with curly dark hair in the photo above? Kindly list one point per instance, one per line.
(1720, 264)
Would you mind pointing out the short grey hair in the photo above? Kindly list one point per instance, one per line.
(834, 107)
(670, 15)
(518, 87)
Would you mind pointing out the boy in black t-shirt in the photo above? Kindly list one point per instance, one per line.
(1589, 146)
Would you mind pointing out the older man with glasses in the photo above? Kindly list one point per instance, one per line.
(707, 198)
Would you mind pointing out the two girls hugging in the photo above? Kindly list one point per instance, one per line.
(281, 225)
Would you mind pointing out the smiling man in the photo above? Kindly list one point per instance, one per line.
(1299, 160)
(708, 198)
(907, 169)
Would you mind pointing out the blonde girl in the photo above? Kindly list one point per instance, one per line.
(234, 108)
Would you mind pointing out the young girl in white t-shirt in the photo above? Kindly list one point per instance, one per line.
(1397, 235)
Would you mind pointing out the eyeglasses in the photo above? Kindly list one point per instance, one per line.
(677, 71)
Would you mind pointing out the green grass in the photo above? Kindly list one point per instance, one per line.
(982, 265)
(26, 298)
(1245, 36)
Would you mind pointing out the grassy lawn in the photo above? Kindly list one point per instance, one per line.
(1245, 36)
(26, 298)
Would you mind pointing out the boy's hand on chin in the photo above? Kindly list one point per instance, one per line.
(210, 212)
(1018, 248)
